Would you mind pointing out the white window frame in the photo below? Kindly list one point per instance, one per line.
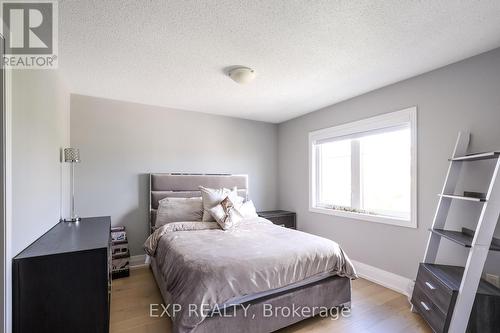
(398, 118)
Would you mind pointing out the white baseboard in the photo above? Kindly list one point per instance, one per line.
(138, 261)
(387, 279)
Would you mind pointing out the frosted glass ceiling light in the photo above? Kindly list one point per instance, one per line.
(242, 75)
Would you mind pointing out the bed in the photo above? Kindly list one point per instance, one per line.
(250, 280)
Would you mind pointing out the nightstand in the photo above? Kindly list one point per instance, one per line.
(280, 217)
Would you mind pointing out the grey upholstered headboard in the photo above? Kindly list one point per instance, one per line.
(185, 185)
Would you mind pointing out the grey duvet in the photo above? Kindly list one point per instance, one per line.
(205, 267)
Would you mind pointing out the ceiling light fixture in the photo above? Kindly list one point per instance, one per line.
(242, 75)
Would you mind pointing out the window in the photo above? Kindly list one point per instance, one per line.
(366, 169)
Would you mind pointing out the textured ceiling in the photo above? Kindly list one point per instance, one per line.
(307, 54)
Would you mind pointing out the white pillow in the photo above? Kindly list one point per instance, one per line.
(247, 209)
(212, 197)
(226, 215)
(178, 210)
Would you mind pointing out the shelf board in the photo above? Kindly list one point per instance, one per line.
(451, 276)
(461, 197)
(464, 237)
(477, 157)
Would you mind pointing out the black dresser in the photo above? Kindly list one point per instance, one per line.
(61, 282)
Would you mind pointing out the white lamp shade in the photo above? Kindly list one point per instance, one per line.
(72, 155)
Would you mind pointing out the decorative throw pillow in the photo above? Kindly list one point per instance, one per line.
(226, 215)
(213, 197)
(178, 210)
(247, 209)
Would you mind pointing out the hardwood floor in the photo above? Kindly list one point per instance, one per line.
(375, 309)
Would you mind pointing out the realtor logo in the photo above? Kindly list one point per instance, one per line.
(30, 32)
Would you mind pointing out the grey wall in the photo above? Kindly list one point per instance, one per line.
(40, 129)
(465, 95)
(120, 143)
(38, 104)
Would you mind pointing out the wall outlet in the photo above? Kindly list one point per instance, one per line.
(493, 279)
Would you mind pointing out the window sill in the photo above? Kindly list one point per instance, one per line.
(366, 217)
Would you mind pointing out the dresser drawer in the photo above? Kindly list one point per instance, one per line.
(280, 217)
(431, 313)
(284, 221)
(435, 290)
(435, 295)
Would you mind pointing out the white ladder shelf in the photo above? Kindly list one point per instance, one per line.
(482, 239)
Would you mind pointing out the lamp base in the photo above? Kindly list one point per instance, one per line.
(71, 219)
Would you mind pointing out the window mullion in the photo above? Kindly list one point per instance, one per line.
(355, 175)
(318, 173)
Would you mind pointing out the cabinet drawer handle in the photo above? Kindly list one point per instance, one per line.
(425, 306)
(430, 286)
